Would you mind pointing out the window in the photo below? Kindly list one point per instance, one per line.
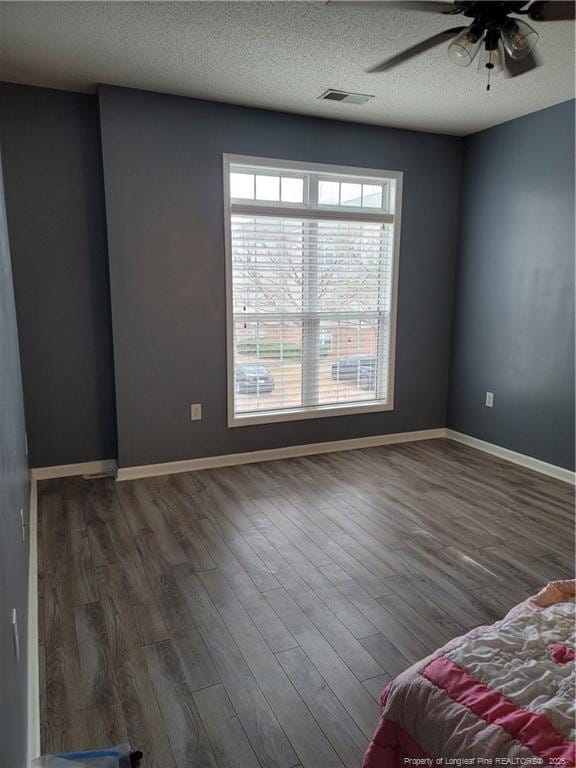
(311, 257)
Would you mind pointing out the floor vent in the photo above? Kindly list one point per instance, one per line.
(349, 98)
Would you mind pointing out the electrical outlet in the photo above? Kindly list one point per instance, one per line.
(23, 525)
(15, 636)
(196, 412)
(489, 399)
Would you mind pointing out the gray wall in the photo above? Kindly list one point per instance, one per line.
(14, 495)
(162, 160)
(514, 310)
(55, 205)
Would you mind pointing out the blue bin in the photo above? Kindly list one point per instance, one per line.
(122, 756)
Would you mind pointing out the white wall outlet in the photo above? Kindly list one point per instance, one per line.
(489, 399)
(196, 412)
(15, 636)
(23, 525)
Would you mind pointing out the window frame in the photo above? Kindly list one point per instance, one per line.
(304, 210)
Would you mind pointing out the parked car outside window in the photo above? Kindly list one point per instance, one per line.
(359, 369)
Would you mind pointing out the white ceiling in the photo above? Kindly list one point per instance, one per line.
(277, 55)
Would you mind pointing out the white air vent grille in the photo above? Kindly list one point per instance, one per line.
(349, 98)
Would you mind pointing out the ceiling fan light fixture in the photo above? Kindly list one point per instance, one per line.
(519, 38)
(463, 49)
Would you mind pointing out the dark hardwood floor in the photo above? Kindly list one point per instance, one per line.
(250, 616)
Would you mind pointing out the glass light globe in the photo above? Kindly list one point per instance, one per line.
(463, 49)
(519, 38)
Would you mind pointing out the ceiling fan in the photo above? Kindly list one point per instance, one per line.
(507, 42)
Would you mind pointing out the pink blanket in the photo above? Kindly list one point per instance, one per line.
(501, 695)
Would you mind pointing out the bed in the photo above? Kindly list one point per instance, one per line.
(501, 695)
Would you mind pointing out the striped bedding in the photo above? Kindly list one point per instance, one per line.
(501, 695)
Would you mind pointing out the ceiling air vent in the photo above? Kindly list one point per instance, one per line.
(348, 98)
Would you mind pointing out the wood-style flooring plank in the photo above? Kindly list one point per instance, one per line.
(305, 736)
(345, 736)
(82, 567)
(229, 741)
(197, 663)
(416, 615)
(305, 568)
(375, 686)
(347, 612)
(344, 643)
(386, 653)
(353, 696)
(106, 724)
(184, 727)
(266, 736)
(384, 620)
(65, 722)
(144, 725)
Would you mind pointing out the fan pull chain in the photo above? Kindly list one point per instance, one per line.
(489, 67)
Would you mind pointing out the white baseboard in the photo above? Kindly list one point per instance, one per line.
(33, 726)
(543, 467)
(288, 452)
(293, 451)
(71, 470)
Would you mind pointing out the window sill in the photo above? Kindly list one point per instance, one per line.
(316, 412)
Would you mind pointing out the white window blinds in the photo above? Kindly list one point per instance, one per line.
(311, 276)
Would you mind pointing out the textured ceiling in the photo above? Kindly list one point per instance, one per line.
(276, 55)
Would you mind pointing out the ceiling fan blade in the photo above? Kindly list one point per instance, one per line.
(426, 7)
(407, 5)
(514, 68)
(552, 11)
(416, 50)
